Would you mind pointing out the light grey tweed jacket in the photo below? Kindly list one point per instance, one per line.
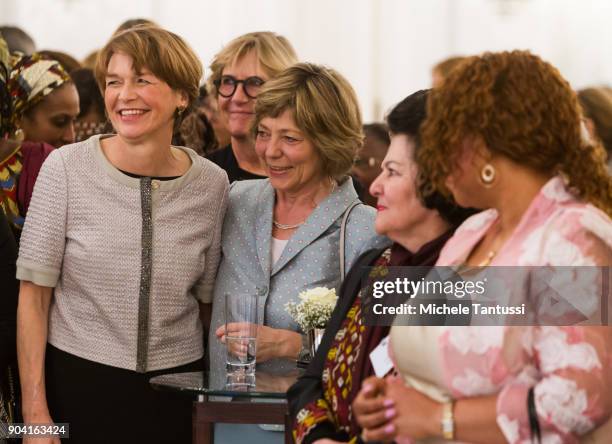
(129, 258)
(310, 258)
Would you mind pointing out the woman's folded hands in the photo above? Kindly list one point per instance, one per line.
(387, 409)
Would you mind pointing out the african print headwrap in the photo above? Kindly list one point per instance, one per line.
(32, 78)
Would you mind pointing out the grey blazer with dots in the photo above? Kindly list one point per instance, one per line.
(310, 258)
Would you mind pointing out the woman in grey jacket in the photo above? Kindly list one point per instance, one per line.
(281, 235)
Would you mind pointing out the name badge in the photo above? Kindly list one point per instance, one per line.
(381, 362)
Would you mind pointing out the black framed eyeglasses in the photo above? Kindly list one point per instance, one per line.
(226, 86)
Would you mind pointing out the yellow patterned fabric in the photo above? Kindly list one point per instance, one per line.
(340, 367)
(32, 78)
(10, 169)
(337, 379)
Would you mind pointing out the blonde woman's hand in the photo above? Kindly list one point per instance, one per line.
(277, 343)
(236, 330)
(271, 342)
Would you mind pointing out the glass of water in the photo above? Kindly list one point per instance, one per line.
(241, 338)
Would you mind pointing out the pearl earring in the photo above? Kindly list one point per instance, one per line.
(487, 175)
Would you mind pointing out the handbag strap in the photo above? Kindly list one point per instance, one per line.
(534, 423)
(343, 235)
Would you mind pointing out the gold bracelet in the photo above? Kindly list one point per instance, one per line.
(448, 421)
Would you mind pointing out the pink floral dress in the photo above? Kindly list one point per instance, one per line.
(570, 368)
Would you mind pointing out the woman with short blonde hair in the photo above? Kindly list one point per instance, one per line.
(308, 131)
(239, 71)
(324, 107)
(121, 243)
(274, 53)
(162, 52)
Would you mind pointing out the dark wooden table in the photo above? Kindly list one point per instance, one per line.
(265, 403)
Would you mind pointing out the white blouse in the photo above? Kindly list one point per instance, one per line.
(277, 247)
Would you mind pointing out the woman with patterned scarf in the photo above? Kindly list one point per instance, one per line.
(38, 102)
(320, 402)
(28, 91)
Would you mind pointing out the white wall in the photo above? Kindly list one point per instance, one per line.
(385, 48)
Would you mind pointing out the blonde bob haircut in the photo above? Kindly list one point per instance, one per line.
(162, 52)
(274, 53)
(324, 107)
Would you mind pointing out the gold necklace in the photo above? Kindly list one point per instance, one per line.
(494, 243)
(488, 259)
(286, 226)
(280, 226)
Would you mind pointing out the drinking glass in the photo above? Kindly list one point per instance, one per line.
(241, 337)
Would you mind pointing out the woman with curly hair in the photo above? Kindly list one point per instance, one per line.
(504, 134)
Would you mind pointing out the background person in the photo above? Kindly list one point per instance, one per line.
(210, 107)
(367, 165)
(8, 310)
(20, 160)
(131, 23)
(92, 116)
(45, 100)
(121, 243)
(68, 62)
(90, 60)
(596, 104)
(196, 130)
(239, 71)
(17, 39)
(442, 70)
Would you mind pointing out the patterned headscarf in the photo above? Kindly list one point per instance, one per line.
(32, 78)
(6, 108)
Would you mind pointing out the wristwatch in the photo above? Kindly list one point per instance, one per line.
(448, 421)
(304, 354)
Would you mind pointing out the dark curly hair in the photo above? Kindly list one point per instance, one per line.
(406, 118)
(523, 109)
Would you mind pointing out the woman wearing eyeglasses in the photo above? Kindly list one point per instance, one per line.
(238, 73)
